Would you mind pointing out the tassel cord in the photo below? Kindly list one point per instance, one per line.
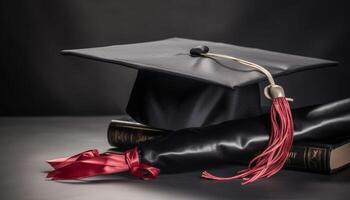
(272, 159)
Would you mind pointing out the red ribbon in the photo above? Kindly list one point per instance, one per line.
(92, 163)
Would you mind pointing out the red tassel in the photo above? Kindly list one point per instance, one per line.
(272, 159)
(91, 163)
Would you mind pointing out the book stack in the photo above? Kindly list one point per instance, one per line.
(321, 156)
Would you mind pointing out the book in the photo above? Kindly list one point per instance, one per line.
(320, 156)
(126, 133)
(316, 156)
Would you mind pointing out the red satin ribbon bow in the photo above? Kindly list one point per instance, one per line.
(92, 163)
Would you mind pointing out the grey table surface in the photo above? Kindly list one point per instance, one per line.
(26, 143)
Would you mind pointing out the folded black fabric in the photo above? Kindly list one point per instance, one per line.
(239, 140)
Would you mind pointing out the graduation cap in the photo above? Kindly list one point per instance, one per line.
(175, 89)
(187, 83)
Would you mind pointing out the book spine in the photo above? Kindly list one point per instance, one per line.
(301, 156)
(310, 158)
(125, 136)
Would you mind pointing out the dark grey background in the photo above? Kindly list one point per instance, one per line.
(37, 80)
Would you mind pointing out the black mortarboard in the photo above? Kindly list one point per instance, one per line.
(182, 84)
(175, 90)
